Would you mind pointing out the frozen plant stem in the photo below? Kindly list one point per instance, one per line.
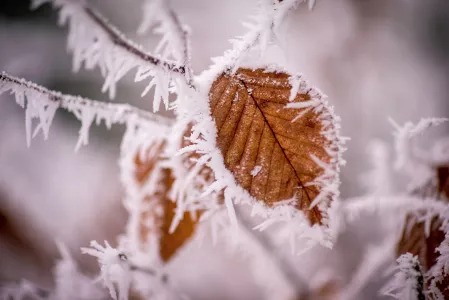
(118, 39)
(125, 111)
(296, 283)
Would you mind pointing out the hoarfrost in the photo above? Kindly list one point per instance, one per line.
(408, 280)
(114, 268)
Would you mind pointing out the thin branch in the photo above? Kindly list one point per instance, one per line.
(119, 40)
(121, 112)
(94, 42)
(269, 17)
(174, 33)
(290, 275)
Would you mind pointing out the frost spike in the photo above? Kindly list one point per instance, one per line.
(40, 98)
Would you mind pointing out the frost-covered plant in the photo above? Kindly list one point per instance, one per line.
(408, 282)
(252, 158)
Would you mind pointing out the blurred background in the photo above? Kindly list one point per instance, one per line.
(374, 59)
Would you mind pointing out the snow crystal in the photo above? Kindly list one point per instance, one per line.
(115, 270)
(408, 281)
(42, 104)
(96, 43)
(408, 158)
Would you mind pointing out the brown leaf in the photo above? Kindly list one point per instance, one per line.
(417, 243)
(414, 239)
(255, 129)
(162, 208)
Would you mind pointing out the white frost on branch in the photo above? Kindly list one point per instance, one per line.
(96, 43)
(408, 280)
(269, 16)
(409, 158)
(175, 36)
(115, 270)
(440, 270)
(41, 104)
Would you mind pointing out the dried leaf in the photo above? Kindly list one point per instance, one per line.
(414, 239)
(266, 145)
(162, 208)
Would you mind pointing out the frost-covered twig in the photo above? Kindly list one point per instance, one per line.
(408, 280)
(409, 159)
(440, 270)
(270, 15)
(96, 43)
(115, 270)
(42, 103)
(175, 35)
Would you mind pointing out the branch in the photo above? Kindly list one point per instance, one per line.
(269, 17)
(42, 103)
(175, 35)
(120, 40)
(95, 42)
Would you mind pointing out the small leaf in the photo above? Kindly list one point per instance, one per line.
(161, 208)
(258, 126)
(414, 239)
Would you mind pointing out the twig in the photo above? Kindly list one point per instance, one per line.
(180, 37)
(121, 112)
(118, 39)
(260, 33)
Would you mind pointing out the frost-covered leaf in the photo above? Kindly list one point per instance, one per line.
(439, 273)
(423, 236)
(158, 216)
(415, 240)
(408, 280)
(293, 142)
